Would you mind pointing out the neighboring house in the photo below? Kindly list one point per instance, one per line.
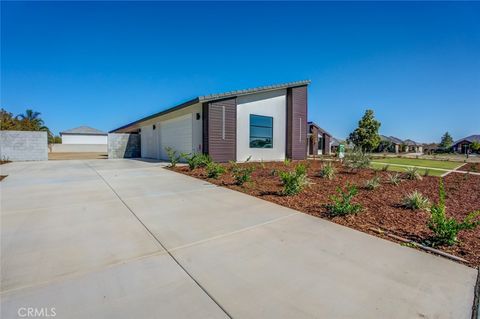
(319, 140)
(430, 148)
(411, 146)
(390, 144)
(266, 123)
(463, 145)
(84, 135)
(335, 143)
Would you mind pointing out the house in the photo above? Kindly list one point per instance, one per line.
(265, 123)
(411, 146)
(390, 144)
(319, 140)
(84, 135)
(463, 145)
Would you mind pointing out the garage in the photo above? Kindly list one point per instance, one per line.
(177, 134)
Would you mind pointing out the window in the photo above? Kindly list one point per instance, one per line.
(320, 142)
(261, 131)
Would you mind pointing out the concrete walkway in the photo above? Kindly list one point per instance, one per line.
(129, 239)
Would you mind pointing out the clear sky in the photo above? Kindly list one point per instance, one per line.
(105, 64)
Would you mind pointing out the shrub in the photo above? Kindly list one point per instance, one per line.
(415, 200)
(446, 229)
(394, 179)
(242, 174)
(294, 182)
(197, 160)
(373, 183)
(357, 159)
(342, 205)
(214, 170)
(385, 168)
(328, 171)
(287, 161)
(173, 156)
(412, 173)
(426, 173)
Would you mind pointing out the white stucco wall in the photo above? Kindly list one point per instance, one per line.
(151, 141)
(267, 104)
(84, 139)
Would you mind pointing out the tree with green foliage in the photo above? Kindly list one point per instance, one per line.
(366, 136)
(475, 146)
(446, 141)
(7, 120)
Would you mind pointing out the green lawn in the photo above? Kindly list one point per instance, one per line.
(393, 168)
(419, 162)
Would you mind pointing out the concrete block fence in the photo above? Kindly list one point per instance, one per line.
(23, 146)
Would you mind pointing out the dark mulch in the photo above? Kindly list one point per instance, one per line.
(4, 162)
(381, 207)
(471, 167)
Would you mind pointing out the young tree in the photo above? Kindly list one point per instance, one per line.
(366, 136)
(446, 141)
(475, 146)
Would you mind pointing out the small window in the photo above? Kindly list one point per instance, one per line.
(320, 142)
(261, 131)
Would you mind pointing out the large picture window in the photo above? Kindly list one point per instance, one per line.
(261, 131)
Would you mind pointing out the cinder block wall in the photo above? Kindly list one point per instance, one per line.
(23, 145)
(123, 145)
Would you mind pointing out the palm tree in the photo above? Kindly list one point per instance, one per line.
(31, 120)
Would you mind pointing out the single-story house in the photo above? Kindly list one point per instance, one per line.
(264, 123)
(84, 135)
(463, 145)
(411, 146)
(319, 140)
(390, 144)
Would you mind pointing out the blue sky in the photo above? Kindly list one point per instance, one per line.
(104, 64)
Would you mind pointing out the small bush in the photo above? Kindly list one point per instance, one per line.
(373, 183)
(242, 174)
(357, 159)
(173, 156)
(287, 161)
(197, 160)
(385, 168)
(342, 205)
(294, 182)
(446, 229)
(415, 200)
(412, 173)
(214, 170)
(328, 171)
(394, 179)
(426, 173)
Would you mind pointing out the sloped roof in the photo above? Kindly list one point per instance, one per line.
(84, 130)
(391, 139)
(213, 97)
(471, 138)
(410, 142)
(319, 128)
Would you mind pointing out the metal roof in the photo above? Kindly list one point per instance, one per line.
(213, 97)
(84, 130)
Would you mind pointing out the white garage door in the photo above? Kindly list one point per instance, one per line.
(149, 142)
(177, 134)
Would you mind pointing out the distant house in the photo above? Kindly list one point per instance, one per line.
(390, 144)
(463, 145)
(84, 135)
(396, 145)
(411, 146)
(319, 140)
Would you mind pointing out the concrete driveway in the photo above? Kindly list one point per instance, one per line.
(129, 239)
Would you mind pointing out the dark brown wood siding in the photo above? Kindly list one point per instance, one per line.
(220, 126)
(205, 128)
(313, 141)
(297, 123)
(326, 144)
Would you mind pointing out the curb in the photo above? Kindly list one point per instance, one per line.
(476, 297)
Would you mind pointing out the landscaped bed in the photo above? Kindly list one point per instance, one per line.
(381, 207)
